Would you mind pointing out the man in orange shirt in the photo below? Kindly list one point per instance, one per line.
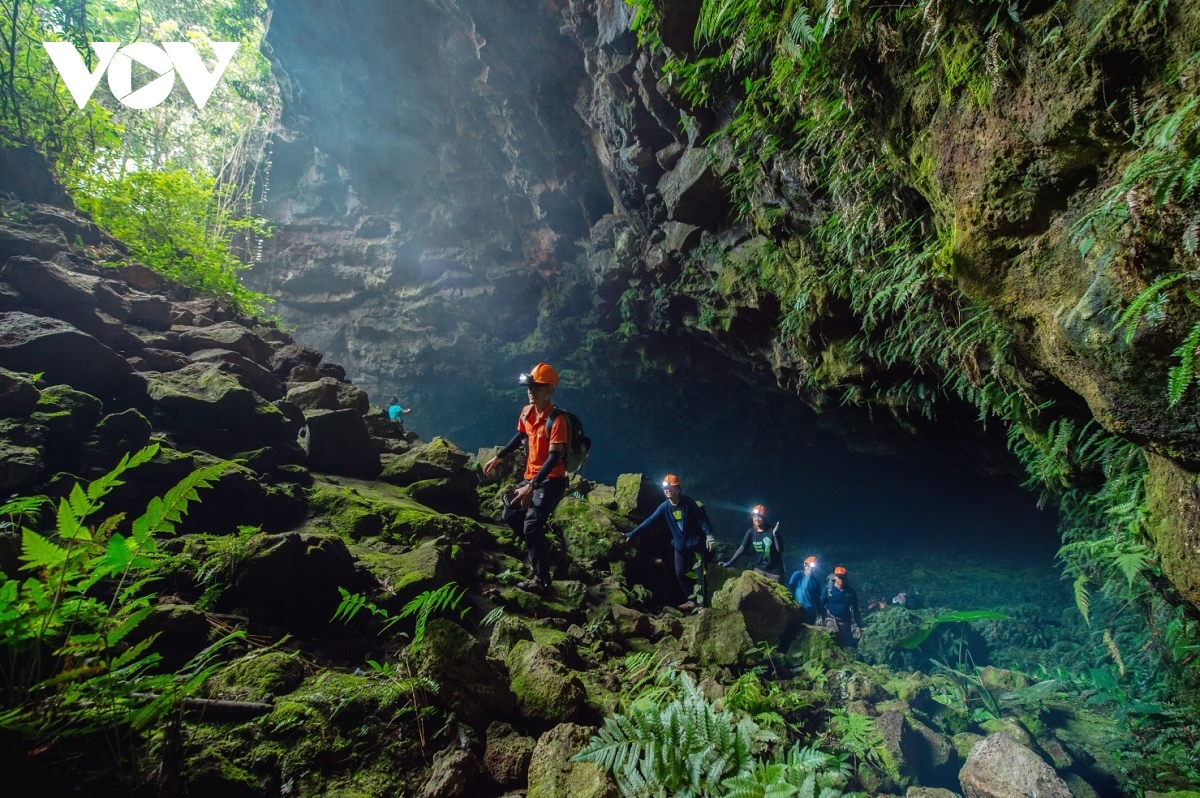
(545, 479)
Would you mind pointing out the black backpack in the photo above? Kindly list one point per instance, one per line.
(578, 444)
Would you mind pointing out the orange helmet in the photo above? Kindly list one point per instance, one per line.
(672, 480)
(541, 374)
(810, 560)
(759, 510)
(839, 571)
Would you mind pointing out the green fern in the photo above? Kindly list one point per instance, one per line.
(683, 747)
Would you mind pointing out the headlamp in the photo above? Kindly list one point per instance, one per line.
(528, 381)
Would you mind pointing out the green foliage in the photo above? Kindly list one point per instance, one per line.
(680, 744)
(446, 597)
(857, 736)
(922, 632)
(72, 660)
(174, 223)
(174, 182)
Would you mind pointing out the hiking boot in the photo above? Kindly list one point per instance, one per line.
(534, 585)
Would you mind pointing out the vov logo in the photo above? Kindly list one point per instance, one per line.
(166, 61)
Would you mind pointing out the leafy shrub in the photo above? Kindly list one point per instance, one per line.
(175, 223)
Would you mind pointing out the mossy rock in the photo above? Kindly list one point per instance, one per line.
(19, 467)
(545, 688)
(817, 646)
(1004, 680)
(356, 509)
(455, 495)
(603, 496)
(716, 637)
(84, 409)
(569, 592)
(535, 605)
(768, 609)
(912, 689)
(964, 742)
(552, 774)
(470, 685)
(592, 534)
(506, 633)
(636, 496)
(1012, 727)
(438, 459)
(405, 575)
(507, 755)
(257, 677)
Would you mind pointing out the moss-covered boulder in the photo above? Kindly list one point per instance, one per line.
(545, 688)
(507, 755)
(716, 637)
(438, 459)
(552, 774)
(404, 575)
(592, 533)
(636, 496)
(629, 622)
(258, 677)
(768, 608)
(358, 508)
(470, 685)
(454, 494)
(19, 467)
(506, 633)
(292, 580)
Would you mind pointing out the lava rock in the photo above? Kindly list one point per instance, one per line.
(53, 288)
(61, 353)
(438, 459)
(767, 607)
(1000, 767)
(163, 359)
(456, 494)
(552, 773)
(716, 637)
(545, 689)
(291, 356)
(472, 686)
(292, 580)
(202, 398)
(250, 374)
(226, 335)
(149, 311)
(693, 192)
(507, 755)
(337, 442)
(329, 394)
(18, 395)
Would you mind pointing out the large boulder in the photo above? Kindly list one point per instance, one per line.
(337, 442)
(62, 354)
(438, 459)
(767, 607)
(204, 398)
(637, 496)
(471, 686)
(50, 287)
(456, 494)
(292, 580)
(590, 532)
(292, 355)
(329, 394)
(406, 575)
(1000, 767)
(19, 467)
(226, 335)
(716, 637)
(455, 772)
(899, 745)
(545, 689)
(552, 774)
(250, 374)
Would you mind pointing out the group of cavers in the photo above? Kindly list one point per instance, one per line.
(555, 444)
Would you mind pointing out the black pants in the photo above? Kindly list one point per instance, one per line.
(531, 524)
(685, 562)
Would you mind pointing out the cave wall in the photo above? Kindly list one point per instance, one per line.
(463, 187)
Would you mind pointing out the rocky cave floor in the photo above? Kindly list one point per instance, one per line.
(101, 358)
